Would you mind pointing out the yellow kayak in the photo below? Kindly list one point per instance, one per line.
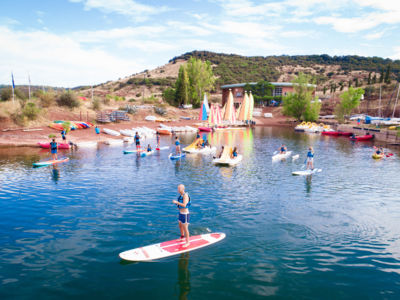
(377, 156)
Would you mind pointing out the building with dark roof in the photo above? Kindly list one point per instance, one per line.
(280, 89)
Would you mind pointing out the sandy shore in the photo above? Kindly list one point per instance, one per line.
(20, 138)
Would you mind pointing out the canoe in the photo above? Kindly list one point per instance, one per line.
(331, 133)
(164, 131)
(306, 172)
(174, 156)
(50, 162)
(205, 129)
(111, 132)
(366, 137)
(228, 161)
(59, 145)
(279, 156)
(378, 156)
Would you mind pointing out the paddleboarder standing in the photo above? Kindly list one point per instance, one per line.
(310, 159)
(183, 204)
(137, 140)
(53, 149)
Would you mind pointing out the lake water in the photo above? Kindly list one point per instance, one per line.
(333, 235)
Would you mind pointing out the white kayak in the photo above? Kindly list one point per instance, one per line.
(111, 132)
(228, 161)
(204, 151)
(146, 153)
(169, 248)
(280, 156)
(86, 144)
(306, 172)
(114, 142)
(294, 157)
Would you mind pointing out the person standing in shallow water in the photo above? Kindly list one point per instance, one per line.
(183, 204)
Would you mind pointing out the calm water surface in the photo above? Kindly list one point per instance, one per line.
(333, 235)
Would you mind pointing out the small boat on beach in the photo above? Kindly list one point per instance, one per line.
(366, 137)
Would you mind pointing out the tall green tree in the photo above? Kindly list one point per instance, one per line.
(387, 74)
(182, 86)
(369, 78)
(349, 101)
(201, 79)
(299, 104)
(262, 91)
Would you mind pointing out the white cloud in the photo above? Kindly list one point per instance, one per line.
(58, 60)
(374, 35)
(396, 53)
(136, 11)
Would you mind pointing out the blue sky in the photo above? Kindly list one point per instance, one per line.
(78, 42)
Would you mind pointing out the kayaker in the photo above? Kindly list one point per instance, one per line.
(158, 139)
(149, 148)
(234, 153)
(310, 158)
(97, 130)
(198, 135)
(53, 149)
(379, 151)
(183, 204)
(137, 140)
(283, 149)
(207, 144)
(177, 146)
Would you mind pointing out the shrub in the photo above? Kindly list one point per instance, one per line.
(68, 99)
(169, 96)
(160, 111)
(96, 104)
(150, 100)
(52, 136)
(20, 94)
(6, 94)
(31, 111)
(46, 99)
(138, 94)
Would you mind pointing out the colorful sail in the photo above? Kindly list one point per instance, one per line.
(229, 109)
(218, 115)
(211, 116)
(205, 102)
(244, 108)
(251, 107)
(203, 112)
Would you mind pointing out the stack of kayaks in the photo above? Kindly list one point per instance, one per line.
(59, 125)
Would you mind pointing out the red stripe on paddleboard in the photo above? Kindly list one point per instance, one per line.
(215, 235)
(145, 253)
(178, 247)
(179, 241)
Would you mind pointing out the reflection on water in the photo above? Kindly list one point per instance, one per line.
(333, 233)
(183, 276)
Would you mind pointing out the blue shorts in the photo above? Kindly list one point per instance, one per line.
(183, 218)
(54, 151)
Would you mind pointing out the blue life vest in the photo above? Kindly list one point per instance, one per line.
(97, 130)
(180, 200)
(53, 145)
(234, 154)
(137, 138)
(310, 154)
(149, 149)
(177, 143)
(283, 149)
(378, 152)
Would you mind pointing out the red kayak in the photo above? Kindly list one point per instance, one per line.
(206, 129)
(366, 137)
(331, 133)
(47, 146)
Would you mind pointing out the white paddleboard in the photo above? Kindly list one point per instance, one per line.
(169, 248)
(306, 172)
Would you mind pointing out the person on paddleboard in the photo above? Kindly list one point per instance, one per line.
(177, 146)
(137, 140)
(183, 204)
(310, 159)
(53, 149)
(283, 149)
(222, 151)
(149, 148)
(158, 139)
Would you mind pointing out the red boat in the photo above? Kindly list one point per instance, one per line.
(331, 133)
(343, 133)
(60, 145)
(366, 137)
(206, 129)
